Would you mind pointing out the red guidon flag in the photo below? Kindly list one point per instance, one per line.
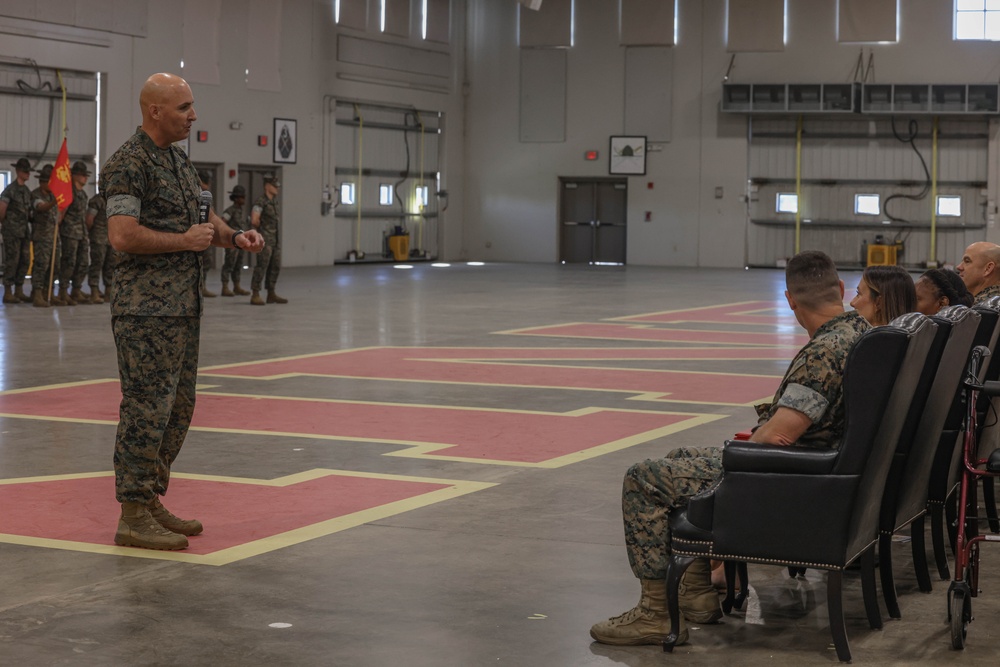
(61, 183)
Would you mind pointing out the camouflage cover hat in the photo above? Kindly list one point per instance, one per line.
(238, 191)
(80, 168)
(45, 173)
(272, 179)
(205, 176)
(22, 164)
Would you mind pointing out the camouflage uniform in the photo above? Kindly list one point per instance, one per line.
(235, 257)
(102, 255)
(16, 234)
(986, 293)
(75, 246)
(43, 229)
(269, 259)
(812, 385)
(156, 314)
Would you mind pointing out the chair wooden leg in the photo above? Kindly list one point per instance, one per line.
(989, 499)
(741, 571)
(675, 570)
(937, 538)
(835, 607)
(729, 567)
(885, 572)
(919, 549)
(868, 589)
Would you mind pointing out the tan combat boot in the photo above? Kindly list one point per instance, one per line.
(272, 297)
(137, 528)
(65, 297)
(38, 299)
(239, 291)
(255, 299)
(21, 296)
(646, 623)
(697, 598)
(8, 294)
(95, 295)
(79, 296)
(225, 289)
(172, 523)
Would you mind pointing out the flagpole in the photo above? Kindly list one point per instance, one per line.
(55, 228)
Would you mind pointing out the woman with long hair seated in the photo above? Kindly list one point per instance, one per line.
(938, 288)
(884, 293)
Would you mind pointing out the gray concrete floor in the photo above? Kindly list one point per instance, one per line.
(512, 575)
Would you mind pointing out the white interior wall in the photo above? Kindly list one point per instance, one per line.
(512, 194)
(308, 72)
(502, 201)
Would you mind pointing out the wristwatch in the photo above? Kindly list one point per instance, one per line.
(235, 234)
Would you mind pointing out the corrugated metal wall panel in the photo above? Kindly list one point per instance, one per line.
(845, 157)
(385, 150)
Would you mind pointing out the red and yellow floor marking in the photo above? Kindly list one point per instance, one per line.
(643, 332)
(522, 367)
(242, 517)
(760, 313)
(479, 435)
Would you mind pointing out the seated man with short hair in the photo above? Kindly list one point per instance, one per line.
(980, 270)
(807, 410)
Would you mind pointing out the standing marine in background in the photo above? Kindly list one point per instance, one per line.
(265, 218)
(75, 244)
(15, 216)
(102, 255)
(234, 216)
(45, 222)
(205, 179)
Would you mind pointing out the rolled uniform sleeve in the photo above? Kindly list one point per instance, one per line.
(123, 189)
(810, 388)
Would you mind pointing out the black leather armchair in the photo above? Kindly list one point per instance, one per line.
(806, 507)
(905, 497)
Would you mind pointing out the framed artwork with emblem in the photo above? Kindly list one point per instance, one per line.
(628, 155)
(285, 140)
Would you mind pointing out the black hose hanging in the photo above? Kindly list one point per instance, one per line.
(913, 131)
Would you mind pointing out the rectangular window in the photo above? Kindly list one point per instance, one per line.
(385, 194)
(949, 205)
(787, 203)
(867, 205)
(422, 193)
(977, 19)
(347, 193)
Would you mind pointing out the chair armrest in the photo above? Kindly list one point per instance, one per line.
(739, 456)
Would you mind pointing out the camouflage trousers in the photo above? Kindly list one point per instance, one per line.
(267, 268)
(41, 266)
(231, 266)
(158, 367)
(102, 265)
(207, 255)
(16, 256)
(75, 262)
(654, 488)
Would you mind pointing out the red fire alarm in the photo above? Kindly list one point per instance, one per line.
(262, 140)
(590, 156)
(202, 136)
(232, 173)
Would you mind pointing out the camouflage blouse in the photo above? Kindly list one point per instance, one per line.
(98, 208)
(269, 219)
(991, 291)
(159, 188)
(73, 225)
(43, 222)
(813, 383)
(18, 198)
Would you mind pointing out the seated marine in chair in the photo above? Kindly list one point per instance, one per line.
(807, 410)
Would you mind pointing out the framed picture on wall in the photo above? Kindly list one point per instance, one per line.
(285, 140)
(628, 155)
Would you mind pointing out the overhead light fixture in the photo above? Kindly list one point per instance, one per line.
(532, 4)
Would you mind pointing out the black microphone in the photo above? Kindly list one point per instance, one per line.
(204, 205)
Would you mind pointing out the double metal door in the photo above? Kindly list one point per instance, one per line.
(592, 224)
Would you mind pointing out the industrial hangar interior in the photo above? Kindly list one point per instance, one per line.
(525, 245)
